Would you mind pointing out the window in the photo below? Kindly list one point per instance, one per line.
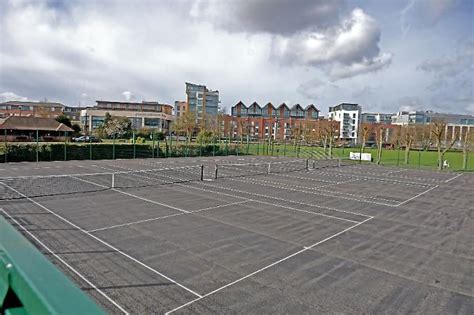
(354, 115)
(152, 122)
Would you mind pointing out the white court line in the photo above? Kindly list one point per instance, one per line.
(102, 241)
(403, 202)
(322, 192)
(134, 196)
(65, 263)
(272, 204)
(164, 217)
(264, 202)
(447, 181)
(305, 248)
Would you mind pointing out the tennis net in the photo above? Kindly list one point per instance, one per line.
(37, 186)
(251, 169)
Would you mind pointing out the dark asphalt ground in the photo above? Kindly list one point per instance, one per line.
(352, 239)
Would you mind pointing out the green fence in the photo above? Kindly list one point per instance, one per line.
(123, 149)
(30, 284)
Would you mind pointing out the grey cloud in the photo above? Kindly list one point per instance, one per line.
(271, 16)
(450, 66)
(346, 50)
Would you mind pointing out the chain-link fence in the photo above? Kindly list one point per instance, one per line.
(41, 149)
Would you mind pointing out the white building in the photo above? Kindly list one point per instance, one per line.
(349, 117)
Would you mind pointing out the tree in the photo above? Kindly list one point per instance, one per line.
(407, 137)
(114, 127)
(77, 129)
(467, 146)
(438, 128)
(380, 131)
(186, 124)
(118, 127)
(364, 134)
(63, 119)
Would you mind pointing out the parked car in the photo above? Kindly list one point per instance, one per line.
(86, 139)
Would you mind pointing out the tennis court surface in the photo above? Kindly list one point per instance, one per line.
(257, 235)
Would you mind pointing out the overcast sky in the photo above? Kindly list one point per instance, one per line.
(386, 55)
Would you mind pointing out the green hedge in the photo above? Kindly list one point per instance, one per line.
(102, 151)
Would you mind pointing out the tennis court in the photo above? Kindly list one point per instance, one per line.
(252, 235)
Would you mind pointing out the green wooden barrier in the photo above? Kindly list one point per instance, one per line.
(31, 284)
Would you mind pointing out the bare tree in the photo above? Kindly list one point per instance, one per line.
(467, 146)
(407, 138)
(380, 131)
(364, 134)
(438, 128)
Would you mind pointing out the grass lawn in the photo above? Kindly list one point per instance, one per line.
(417, 159)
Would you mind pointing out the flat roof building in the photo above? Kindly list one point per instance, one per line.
(201, 100)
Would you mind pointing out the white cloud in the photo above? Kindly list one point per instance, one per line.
(128, 95)
(10, 96)
(346, 50)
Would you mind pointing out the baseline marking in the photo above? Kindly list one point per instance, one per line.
(103, 242)
(64, 262)
(420, 194)
(447, 181)
(305, 248)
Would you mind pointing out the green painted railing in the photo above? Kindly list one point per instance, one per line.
(31, 284)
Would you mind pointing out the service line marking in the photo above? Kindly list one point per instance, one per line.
(420, 194)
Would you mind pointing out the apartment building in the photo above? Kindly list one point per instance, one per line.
(201, 100)
(348, 115)
(376, 118)
(180, 107)
(269, 121)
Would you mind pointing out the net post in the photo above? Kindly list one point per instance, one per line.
(307, 164)
(202, 172)
(113, 180)
(215, 171)
(269, 168)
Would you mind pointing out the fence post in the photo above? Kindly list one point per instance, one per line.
(269, 168)
(202, 172)
(248, 145)
(113, 180)
(6, 146)
(215, 171)
(307, 164)
(134, 145)
(90, 148)
(152, 144)
(284, 149)
(398, 156)
(214, 147)
(171, 146)
(419, 158)
(113, 148)
(65, 146)
(200, 147)
(37, 145)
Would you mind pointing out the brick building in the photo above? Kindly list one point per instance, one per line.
(276, 122)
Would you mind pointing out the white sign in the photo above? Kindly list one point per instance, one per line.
(357, 156)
